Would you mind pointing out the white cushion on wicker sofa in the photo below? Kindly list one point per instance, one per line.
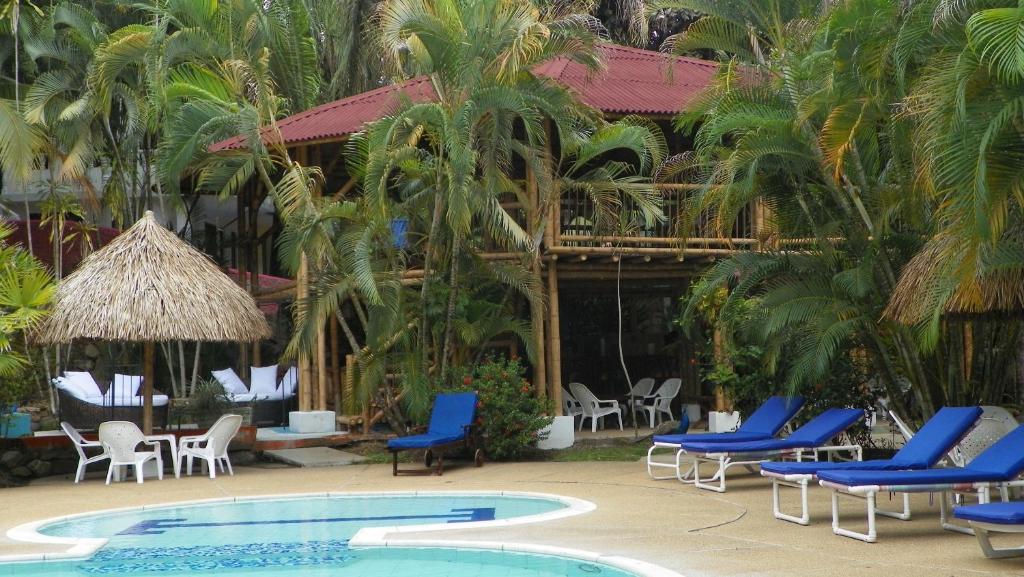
(286, 388)
(104, 401)
(83, 382)
(158, 401)
(241, 397)
(264, 382)
(230, 381)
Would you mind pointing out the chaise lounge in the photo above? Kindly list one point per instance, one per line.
(921, 451)
(764, 423)
(994, 518)
(996, 467)
(451, 425)
(810, 438)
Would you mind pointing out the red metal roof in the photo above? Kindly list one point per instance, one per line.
(634, 81)
(42, 245)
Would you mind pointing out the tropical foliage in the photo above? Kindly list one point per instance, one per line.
(496, 136)
(870, 129)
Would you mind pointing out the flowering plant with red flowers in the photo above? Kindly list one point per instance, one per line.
(508, 412)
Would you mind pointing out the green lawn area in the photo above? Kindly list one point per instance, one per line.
(376, 453)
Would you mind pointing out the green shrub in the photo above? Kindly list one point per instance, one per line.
(508, 413)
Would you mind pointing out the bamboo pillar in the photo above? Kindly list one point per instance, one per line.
(335, 367)
(148, 374)
(321, 368)
(718, 344)
(555, 337)
(536, 304)
(348, 393)
(241, 223)
(254, 258)
(305, 366)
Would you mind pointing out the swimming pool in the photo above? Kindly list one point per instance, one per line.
(325, 535)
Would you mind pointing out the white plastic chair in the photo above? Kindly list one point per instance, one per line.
(212, 446)
(570, 406)
(994, 423)
(120, 439)
(637, 392)
(80, 445)
(661, 401)
(593, 407)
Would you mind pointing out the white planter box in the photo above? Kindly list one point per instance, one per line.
(560, 434)
(721, 422)
(311, 421)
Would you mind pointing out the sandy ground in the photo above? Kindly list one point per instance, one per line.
(696, 533)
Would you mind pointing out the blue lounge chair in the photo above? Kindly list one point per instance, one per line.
(810, 438)
(451, 424)
(764, 423)
(995, 518)
(922, 451)
(995, 467)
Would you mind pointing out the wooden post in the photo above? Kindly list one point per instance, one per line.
(321, 368)
(536, 304)
(148, 374)
(335, 367)
(554, 339)
(349, 392)
(305, 366)
(241, 223)
(718, 346)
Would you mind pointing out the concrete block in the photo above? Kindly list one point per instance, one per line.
(311, 421)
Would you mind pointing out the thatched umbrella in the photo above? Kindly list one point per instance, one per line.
(147, 286)
(932, 280)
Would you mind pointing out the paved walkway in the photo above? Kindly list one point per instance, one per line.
(696, 533)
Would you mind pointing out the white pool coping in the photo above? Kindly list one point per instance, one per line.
(366, 538)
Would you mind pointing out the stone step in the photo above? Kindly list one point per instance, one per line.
(315, 457)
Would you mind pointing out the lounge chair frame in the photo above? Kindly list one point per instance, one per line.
(981, 532)
(801, 482)
(726, 460)
(680, 453)
(433, 457)
(869, 494)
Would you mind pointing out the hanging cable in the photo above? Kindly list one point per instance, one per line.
(622, 356)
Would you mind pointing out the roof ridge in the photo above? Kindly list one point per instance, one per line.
(652, 53)
(353, 99)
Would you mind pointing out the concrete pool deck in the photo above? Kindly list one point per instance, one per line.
(696, 533)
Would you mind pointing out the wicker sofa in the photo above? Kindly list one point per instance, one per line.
(87, 412)
(270, 404)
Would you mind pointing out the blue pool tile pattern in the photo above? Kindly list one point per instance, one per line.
(304, 537)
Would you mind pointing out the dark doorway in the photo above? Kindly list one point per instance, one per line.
(652, 344)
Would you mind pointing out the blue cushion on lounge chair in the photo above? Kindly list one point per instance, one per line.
(1002, 513)
(424, 441)
(677, 439)
(815, 433)
(452, 414)
(923, 450)
(763, 423)
(1003, 461)
(771, 416)
(937, 437)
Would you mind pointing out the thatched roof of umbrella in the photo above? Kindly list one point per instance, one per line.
(149, 285)
(934, 279)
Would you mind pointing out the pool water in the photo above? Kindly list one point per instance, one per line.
(307, 537)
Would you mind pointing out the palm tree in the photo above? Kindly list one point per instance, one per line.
(814, 139)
